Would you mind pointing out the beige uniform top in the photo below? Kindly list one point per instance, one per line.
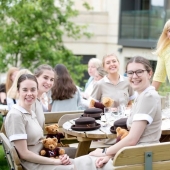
(121, 93)
(19, 124)
(38, 109)
(147, 106)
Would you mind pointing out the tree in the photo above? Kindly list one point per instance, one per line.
(31, 34)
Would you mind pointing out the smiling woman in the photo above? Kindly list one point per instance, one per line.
(45, 76)
(113, 84)
(26, 135)
(144, 122)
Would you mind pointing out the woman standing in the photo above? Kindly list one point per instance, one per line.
(26, 134)
(65, 94)
(144, 121)
(113, 85)
(163, 53)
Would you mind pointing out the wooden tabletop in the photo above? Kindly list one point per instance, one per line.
(85, 137)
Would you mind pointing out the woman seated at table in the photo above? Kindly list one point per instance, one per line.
(24, 131)
(144, 121)
(113, 85)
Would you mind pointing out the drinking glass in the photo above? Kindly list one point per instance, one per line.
(121, 110)
(108, 114)
(167, 100)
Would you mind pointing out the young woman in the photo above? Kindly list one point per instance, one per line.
(113, 85)
(26, 134)
(12, 93)
(93, 64)
(45, 76)
(163, 53)
(65, 94)
(144, 121)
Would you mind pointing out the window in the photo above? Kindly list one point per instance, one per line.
(141, 22)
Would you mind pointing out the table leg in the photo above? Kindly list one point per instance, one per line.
(83, 148)
(165, 138)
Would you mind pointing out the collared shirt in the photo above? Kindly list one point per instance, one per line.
(147, 106)
(19, 124)
(121, 93)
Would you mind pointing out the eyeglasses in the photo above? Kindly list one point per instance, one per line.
(139, 73)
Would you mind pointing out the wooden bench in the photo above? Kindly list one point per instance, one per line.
(146, 157)
(10, 153)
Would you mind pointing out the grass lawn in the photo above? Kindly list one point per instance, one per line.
(3, 161)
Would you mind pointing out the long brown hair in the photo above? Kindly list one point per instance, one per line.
(40, 69)
(64, 87)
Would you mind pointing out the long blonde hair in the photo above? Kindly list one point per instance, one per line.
(163, 40)
(12, 93)
(9, 82)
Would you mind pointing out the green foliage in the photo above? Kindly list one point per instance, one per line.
(4, 165)
(164, 89)
(31, 33)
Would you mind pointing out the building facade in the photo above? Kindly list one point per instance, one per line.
(125, 27)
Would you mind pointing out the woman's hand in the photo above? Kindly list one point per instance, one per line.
(101, 161)
(65, 160)
(97, 153)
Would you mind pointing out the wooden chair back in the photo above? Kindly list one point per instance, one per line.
(145, 157)
(10, 154)
(53, 117)
(68, 117)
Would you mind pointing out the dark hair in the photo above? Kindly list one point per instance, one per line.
(64, 87)
(24, 77)
(40, 69)
(142, 61)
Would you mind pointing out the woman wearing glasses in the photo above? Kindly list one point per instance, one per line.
(113, 85)
(163, 53)
(144, 121)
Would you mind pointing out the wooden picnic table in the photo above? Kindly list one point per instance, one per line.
(86, 137)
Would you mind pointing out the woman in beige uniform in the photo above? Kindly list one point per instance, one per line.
(144, 121)
(113, 85)
(24, 131)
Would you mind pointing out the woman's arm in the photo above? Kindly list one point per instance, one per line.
(49, 107)
(156, 84)
(131, 139)
(24, 153)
